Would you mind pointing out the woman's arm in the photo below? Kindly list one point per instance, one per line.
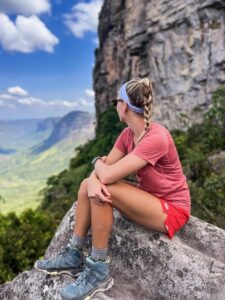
(96, 189)
(113, 156)
(118, 170)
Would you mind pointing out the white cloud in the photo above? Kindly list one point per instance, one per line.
(89, 93)
(17, 90)
(69, 104)
(4, 103)
(24, 6)
(58, 103)
(31, 101)
(84, 17)
(15, 106)
(27, 34)
(7, 97)
(83, 102)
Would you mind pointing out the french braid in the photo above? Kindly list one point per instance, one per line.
(140, 94)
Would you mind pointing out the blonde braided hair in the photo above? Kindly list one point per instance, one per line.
(140, 94)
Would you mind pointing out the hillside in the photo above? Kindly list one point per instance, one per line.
(23, 173)
(73, 121)
(20, 134)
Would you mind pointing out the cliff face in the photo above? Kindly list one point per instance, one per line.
(179, 44)
(145, 265)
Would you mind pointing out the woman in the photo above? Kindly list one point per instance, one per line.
(160, 201)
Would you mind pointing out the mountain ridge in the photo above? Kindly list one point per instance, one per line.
(72, 121)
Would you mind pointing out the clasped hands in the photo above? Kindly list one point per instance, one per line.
(98, 191)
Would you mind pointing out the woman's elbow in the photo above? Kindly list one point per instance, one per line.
(106, 179)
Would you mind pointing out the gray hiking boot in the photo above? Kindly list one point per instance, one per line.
(95, 278)
(70, 262)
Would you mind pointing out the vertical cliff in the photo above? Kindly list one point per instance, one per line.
(179, 44)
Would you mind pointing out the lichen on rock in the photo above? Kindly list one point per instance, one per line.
(144, 264)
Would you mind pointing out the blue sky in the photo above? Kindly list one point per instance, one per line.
(47, 57)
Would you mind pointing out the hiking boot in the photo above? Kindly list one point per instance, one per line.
(70, 262)
(94, 278)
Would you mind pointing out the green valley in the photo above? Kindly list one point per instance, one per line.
(23, 175)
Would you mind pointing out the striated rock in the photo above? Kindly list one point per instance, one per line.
(145, 264)
(179, 44)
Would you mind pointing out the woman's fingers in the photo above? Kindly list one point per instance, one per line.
(97, 201)
(105, 190)
(103, 198)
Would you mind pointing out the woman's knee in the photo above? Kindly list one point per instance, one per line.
(83, 186)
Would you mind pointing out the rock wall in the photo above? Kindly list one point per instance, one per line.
(179, 44)
(145, 265)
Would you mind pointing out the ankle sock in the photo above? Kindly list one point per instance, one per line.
(99, 254)
(78, 242)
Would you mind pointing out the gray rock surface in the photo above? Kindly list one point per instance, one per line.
(217, 162)
(179, 44)
(144, 264)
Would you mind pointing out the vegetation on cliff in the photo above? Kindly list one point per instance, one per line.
(23, 239)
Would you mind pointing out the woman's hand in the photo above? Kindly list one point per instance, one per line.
(98, 192)
(103, 158)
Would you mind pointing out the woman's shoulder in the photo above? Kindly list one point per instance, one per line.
(158, 128)
(127, 131)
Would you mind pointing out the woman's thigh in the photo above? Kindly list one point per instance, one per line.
(139, 206)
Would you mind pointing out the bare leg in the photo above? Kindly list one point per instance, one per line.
(101, 224)
(139, 206)
(83, 211)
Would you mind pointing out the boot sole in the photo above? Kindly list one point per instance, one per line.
(73, 273)
(105, 287)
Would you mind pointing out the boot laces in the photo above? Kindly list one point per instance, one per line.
(84, 276)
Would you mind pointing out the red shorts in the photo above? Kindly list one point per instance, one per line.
(176, 217)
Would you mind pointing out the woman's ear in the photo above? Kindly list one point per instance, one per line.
(125, 107)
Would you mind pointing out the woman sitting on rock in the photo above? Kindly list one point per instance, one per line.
(160, 201)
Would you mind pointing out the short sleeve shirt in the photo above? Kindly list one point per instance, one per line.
(163, 175)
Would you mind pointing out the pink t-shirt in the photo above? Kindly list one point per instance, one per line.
(163, 175)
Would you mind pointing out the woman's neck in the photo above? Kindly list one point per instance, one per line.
(138, 128)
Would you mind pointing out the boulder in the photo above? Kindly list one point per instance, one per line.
(144, 264)
(217, 162)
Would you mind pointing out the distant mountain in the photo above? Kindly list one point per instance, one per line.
(6, 151)
(53, 142)
(24, 134)
(46, 124)
(65, 126)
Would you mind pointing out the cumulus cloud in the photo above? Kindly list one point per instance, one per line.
(83, 102)
(89, 93)
(31, 101)
(17, 105)
(58, 103)
(7, 97)
(83, 18)
(27, 34)
(17, 90)
(25, 7)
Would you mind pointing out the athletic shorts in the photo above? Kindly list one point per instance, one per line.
(176, 217)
